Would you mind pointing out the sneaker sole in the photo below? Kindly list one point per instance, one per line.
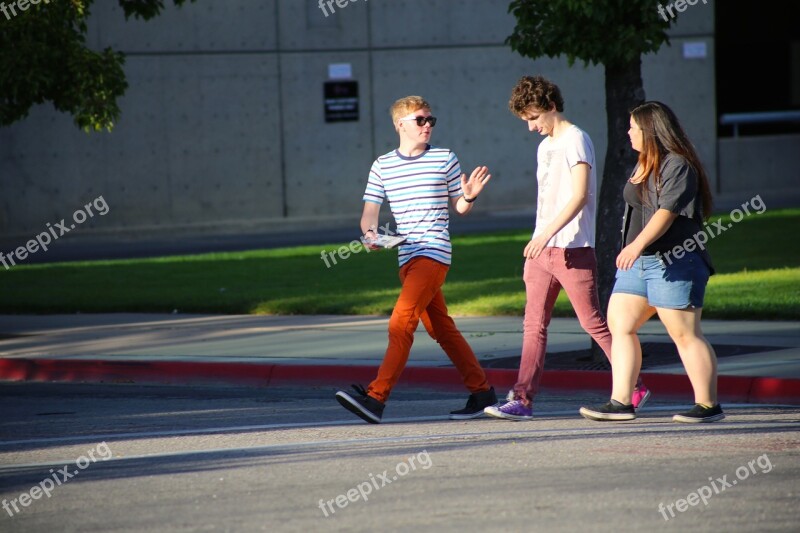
(692, 420)
(643, 400)
(352, 405)
(605, 417)
(496, 413)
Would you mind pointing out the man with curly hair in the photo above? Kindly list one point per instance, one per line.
(561, 250)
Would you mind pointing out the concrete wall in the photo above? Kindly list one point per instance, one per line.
(766, 165)
(222, 127)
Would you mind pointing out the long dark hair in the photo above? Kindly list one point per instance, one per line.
(662, 133)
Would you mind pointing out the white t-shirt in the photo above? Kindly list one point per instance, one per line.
(555, 159)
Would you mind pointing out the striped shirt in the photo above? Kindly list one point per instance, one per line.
(418, 189)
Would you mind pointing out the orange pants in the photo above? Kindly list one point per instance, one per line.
(421, 298)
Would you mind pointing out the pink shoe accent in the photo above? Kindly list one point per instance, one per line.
(640, 396)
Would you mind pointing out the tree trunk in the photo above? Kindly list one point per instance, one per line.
(624, 91)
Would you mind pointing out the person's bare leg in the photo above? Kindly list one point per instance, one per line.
(626, 314)
(699, 359)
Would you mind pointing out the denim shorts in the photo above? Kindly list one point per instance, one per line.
(667, 283)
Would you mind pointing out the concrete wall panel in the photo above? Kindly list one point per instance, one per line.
(197, 144)
(326, 163)
(202, 26)
(755, 165)
(304, 27)
(48, 170)
(412, 23)
(691, 94)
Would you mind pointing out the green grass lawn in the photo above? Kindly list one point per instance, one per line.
(757, 260)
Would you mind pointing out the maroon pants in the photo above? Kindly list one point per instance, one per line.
(574, 269)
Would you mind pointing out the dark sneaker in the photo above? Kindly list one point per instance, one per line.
(361, 404)
(513, 410)
(609, 411)
(640, 396)
(476, 403)
(700, 413)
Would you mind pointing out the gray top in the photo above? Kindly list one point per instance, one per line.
(679, 193)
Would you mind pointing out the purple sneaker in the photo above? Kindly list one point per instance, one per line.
(513, 410)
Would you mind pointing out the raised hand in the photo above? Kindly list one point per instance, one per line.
(472, 186)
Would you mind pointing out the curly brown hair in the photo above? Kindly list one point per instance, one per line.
(535, 92)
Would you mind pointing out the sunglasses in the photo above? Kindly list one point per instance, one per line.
(421, 120)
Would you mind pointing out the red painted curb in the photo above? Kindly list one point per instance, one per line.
(731, 388)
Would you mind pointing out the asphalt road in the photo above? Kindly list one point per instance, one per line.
(135, 458)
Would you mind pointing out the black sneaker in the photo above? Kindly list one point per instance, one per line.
(476, 403)
(700, 413)
(361, 404)
(609, 411)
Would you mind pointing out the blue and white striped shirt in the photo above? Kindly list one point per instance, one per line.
(418, 189)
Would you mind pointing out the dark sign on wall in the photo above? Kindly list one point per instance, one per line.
(341, 101)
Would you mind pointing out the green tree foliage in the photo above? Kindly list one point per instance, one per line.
(44, 58)
(615, 34)
(611, 32)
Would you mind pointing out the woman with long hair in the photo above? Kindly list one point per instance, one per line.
(663, 267)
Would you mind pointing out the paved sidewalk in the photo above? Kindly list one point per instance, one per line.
(759, 361)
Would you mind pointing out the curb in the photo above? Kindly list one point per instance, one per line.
(737, 389)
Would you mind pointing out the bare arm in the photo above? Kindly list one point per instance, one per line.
(369, 219)
(654, 229)
(580, 195)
